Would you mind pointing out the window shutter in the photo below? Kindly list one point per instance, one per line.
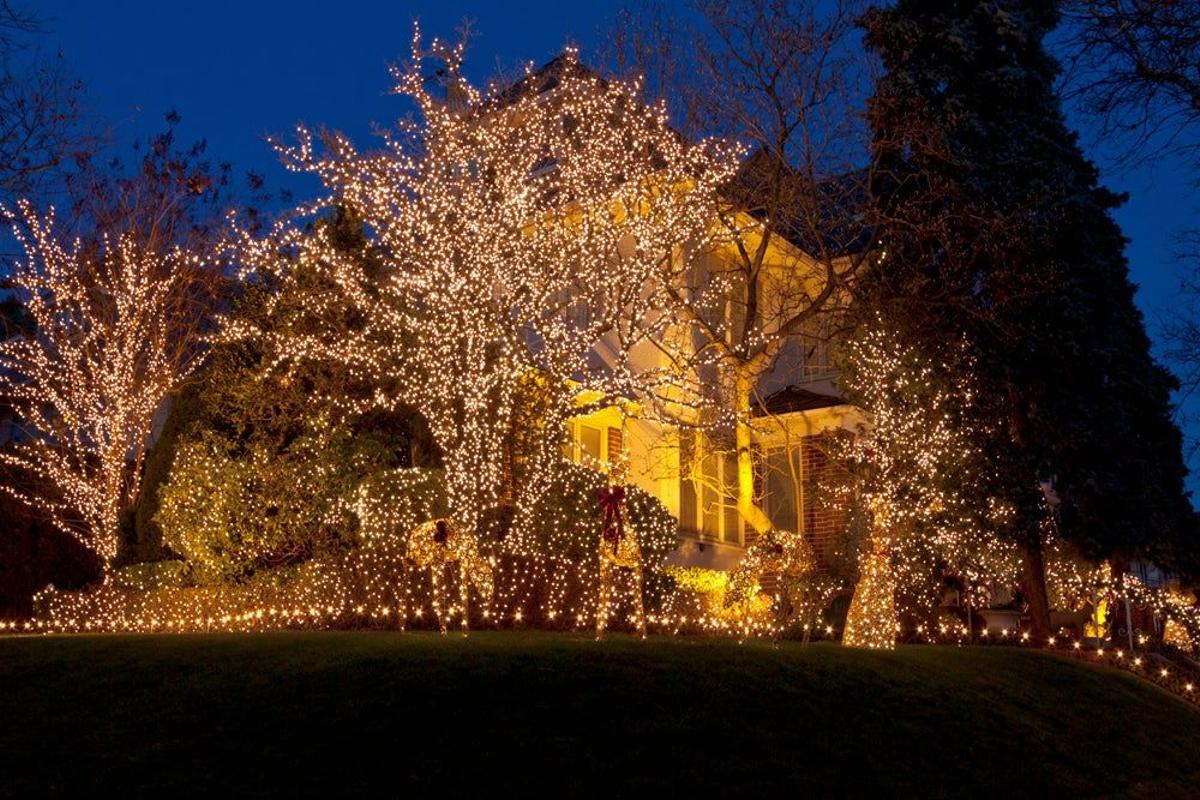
(616, 444)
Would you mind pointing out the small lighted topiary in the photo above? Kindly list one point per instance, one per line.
(871, 622)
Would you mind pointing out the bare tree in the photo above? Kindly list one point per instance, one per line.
(40, 112)
(785, 79)
(1135, 65)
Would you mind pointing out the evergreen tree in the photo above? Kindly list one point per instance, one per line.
(996, 231)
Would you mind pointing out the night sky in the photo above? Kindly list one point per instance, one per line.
(238, 71)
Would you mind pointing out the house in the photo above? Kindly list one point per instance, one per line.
(796, 406)
(694, 474)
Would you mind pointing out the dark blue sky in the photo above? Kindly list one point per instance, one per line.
(238, 71)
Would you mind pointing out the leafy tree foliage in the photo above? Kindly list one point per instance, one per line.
(916, 484)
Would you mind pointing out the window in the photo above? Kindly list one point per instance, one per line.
(687, 487)
(593, 446)
(732, 533)
(707, 490)
(711, 507)
(781, 488)
(589, 444)
(817, 354)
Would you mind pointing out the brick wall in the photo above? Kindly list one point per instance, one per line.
(823, 520)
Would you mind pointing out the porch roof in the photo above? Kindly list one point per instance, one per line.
(795, 398)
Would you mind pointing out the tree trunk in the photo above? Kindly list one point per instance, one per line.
(1117, 621)
(1033, 583)
(749, 511)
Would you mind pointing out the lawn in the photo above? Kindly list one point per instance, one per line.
(377, 712)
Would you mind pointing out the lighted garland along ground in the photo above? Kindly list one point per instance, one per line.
(1179, 675)
(336, 713)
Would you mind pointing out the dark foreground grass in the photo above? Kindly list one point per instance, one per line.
(386, 714)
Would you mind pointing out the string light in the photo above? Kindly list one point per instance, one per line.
(518, 233)
(918, 483)
(514, 233)
(871, 621)
(84, 383)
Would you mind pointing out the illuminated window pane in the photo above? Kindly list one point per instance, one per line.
(712, 499)
(687, 487)
(781, 490)
(732, 531)
(589, 444)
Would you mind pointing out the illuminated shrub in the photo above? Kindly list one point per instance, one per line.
(151, 575)
(262, 463)
(392, 502)
(269, 544)
(232, 513)
(705, 594)
(797, 605)
(710, 583)
(569, 521)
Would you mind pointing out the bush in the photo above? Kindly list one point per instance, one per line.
(569, 521)
(172, 574)
(231, 513)
(264, 452)
(392, 502)
(146, 543)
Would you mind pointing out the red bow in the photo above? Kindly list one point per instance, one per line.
(610, 499)
(441, 533)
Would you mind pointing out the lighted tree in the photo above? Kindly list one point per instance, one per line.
(999, 234)
(256, 470)
(516, 231)
(104, 349)
(919, 483)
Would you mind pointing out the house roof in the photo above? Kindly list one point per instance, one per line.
(821, 219)
(795, 398)
(539, 81)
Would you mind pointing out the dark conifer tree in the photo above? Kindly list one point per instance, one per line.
(996, 232)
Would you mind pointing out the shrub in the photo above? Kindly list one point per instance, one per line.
(264, 453)
(231, 513)
(392, 502)
(567, 525)
(149, 575)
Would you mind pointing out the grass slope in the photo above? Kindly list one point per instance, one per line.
(339, 713)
